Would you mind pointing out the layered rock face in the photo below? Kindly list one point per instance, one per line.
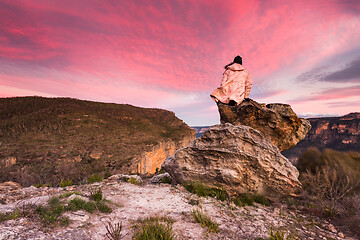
(276, 121)
(338, 133)
(237, 159)
(151, 161)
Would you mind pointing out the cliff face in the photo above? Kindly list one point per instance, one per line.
(150, 162)
(338, 133)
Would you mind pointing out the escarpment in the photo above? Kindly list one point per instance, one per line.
(47, 140)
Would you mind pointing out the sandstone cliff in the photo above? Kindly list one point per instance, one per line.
(149, 162)
(338, 133)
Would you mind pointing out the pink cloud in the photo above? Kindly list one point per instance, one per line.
(95, 50)
(330, 94)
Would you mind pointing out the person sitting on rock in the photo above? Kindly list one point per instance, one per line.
(235, 85)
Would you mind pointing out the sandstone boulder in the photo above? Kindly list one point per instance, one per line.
(237, 159)
(276, 121)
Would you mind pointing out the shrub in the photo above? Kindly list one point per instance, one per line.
(96, 195)
(51, 214)
(95, 178)
(79, 204)
(204, 220)
(331, 183)
(65, 182)
(153, 228)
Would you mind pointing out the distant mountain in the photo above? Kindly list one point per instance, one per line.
(338, 133)
(45, 140)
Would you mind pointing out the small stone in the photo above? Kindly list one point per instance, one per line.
(341, 235)
(332, 228)
(276, 210)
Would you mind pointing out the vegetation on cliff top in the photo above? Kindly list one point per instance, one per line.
(46, 140)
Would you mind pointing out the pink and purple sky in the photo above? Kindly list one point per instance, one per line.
(170, 53)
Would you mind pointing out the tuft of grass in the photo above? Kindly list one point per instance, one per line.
(204, 220)
(65, 182)
(96, 195)
(95, 178)
(248, 199)
(79, 204)
(113, 231)
(279, 235)
(132, 180)
(153, 228)
(203, 190)
(9, 216)
(103, 207)
(193, 202)
(50, 215)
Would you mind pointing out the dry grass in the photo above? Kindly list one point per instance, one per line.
(331, 183)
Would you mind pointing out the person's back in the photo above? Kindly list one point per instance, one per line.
(235, 85)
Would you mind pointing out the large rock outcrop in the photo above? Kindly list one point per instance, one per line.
(276, 121)
(237, 159)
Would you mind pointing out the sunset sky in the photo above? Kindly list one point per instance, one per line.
(171, 53)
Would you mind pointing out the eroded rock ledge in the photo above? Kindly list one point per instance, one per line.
(276, 121)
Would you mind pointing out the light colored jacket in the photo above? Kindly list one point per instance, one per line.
(235, 85)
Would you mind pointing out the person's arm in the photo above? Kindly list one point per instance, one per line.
(225, 78)
(248, 85)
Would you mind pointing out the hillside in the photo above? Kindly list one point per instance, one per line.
(46, 140)
(338, 133)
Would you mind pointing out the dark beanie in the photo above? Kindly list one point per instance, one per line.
(238, 59)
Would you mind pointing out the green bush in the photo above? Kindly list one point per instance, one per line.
(204, 220)
(50, 215)
(79, 204)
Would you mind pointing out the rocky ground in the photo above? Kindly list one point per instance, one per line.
(129, 202)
